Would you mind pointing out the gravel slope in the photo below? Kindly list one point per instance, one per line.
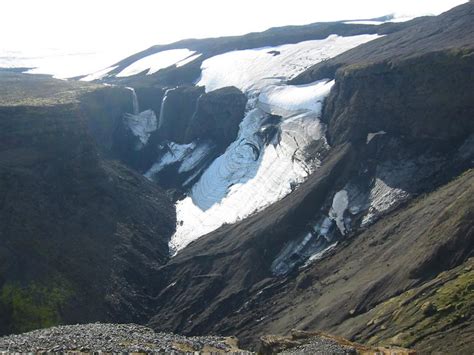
(113, 338)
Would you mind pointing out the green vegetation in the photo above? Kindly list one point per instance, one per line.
(442, 303)
(32, 307)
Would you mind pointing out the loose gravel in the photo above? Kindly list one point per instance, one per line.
(320, 346)
(109, 338)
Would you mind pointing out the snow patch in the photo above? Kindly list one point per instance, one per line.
(260, 67)
(382, 197)
(188, 60)
(371, 136)
(319, 255)
(175, 153)
(99, 74)
(340, 203)
(155, 62)
(283, 98)
(364, 22)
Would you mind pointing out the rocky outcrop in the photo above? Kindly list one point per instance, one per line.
(421, 97)
(217, 117)
(413, 83)
(194, 128)
(81, 237)
(449, 31)
(179, 105)
(103, 110)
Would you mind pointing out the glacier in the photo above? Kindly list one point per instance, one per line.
(269, 158)
(254, 171)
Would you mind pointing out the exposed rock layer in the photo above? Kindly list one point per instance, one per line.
(80, 237)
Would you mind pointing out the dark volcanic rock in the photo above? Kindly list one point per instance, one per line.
(103, 110)
(422, 101)
(430, 96)
(415, 82)
(80, 237)
(215, 275)
(217, 117)
(208, 121)
(177, 112)
(451, 30)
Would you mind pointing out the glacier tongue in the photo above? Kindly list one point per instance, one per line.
(252, 174)
(269, 157)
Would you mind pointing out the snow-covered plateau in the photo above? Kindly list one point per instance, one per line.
(257, 68)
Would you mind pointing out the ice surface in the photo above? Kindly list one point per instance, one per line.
(176, 153)
(155, 62)
(318, 255)
(251, 175)
(142, 124)
(284, 98)
(195, 157)
(260, 67)
(340, 203)
(61, 63)
(382, 197)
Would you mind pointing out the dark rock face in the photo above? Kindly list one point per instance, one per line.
(451, 30)
(422, 97)
(80, 237)
(217, 117)
(190, 116)
(150, 98)
(103, 110)
(177, 112)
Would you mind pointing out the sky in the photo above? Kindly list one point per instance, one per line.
(123, 27)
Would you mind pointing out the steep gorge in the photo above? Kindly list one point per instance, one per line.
(379, 211)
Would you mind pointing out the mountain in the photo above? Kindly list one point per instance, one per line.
(321, 175)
